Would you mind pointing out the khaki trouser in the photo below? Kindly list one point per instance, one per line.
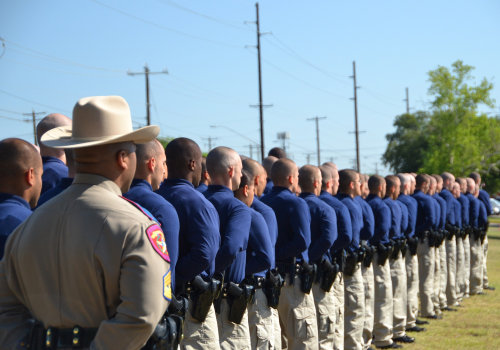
(399, 297)
(460, 279)
(466, 244)
(426, 263)
(325, 313)
(200, 336)
(411, 262)
(338, 298)
(476, 266)
(485, 257)
(276, 328)
(451, 264)
(438, 281)
(382, 312)
(298, 316)
(369, 284)
(260, 322)
(354, 309)
(443, 279)
(232, 335)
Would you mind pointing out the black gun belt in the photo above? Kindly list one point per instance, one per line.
(76, 337)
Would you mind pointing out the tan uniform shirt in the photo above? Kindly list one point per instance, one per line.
(85, 258)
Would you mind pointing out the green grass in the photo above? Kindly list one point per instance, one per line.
(476, 325)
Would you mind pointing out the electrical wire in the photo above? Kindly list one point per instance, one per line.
(31, 101)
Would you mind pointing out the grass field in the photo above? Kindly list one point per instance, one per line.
(476, 325)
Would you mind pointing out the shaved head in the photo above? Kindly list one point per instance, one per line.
(376, 183)
(346, 177)
(267, 163)
(184, 160)
(471, 184)
(277, 152)
(252, 167)
(49, 122)
(326, 174)
(476, 177)
(151, 163)
(224, 166)
(281, 171)
(308, 176)
(20, 163)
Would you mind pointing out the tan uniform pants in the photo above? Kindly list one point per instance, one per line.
(460, 280)
(399, 297)
(382, 312)
(325, 314)
(200, 336)
(426, 264)
(276, 328)
(260, 322)
(354, 309)
(466, 244)
(369, 284)
(338, 297)
(443, 279)
(438, 281)
(232, 335)
(476, 266)
(485, 257)
(451, 264)
(411, 262)
(298, 316)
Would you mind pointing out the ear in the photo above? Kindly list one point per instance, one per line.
(152, 164)
(316, 184)
(122, 159)
(29, 176)
(230, 171)
(351, 184)
(192, 164)
(256, 180)
(329, 184)
(290, 180)
(245, 190)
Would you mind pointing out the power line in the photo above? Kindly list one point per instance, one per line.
(124, 13)
(10, 118)
(33, 115)
(31, 101)
(317, 119)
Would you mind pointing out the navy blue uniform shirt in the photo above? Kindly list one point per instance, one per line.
(269, 187)
(323, 228)
(13, 211)
(438, 212)
(260, 251)
(199, 236)
(202, 188)
(54, 170)
(382, 215)
(142, 193)
(443, 210)
(404, 218)
(344, 227)
(368, 219)
(396, 217)
(426, 216)
(356, 215)
(450, 212)
(483, 215)
(464, 202)
(473, 210)
(234, 221)
(294, 226)
(272, 225)
(61, 186)
(457, 207)
(485, 198)
(411, 206)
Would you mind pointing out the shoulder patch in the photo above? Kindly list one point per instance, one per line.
(167, 285)
(157, 239)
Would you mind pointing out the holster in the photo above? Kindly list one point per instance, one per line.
(396, 245)
(412, 243)
(307, 274)
(482, 235)
(326, 274)
(368, 258)
(383, 253)
(238, 298)
(351, 263)
(167, 334)
(339, 258)
(272, 288)
(203, 291)
(441, 237)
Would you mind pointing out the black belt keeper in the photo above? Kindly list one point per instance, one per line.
(56, 338)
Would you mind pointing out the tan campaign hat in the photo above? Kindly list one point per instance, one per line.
(99, 120)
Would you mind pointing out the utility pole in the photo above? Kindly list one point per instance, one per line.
(356, 131)
(210, 139)
(317, 119)
(146, 73)
(407, 99)
(33, 115)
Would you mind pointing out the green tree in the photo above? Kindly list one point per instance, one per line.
(407, 145)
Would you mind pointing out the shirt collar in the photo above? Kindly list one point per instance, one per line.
(98, 180)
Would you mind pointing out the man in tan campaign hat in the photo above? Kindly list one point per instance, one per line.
(88, 266)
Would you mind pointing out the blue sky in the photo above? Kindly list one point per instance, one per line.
(57, 51)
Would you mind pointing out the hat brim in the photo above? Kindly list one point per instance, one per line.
(62, 137)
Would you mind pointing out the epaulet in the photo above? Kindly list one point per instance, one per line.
(143, 210)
